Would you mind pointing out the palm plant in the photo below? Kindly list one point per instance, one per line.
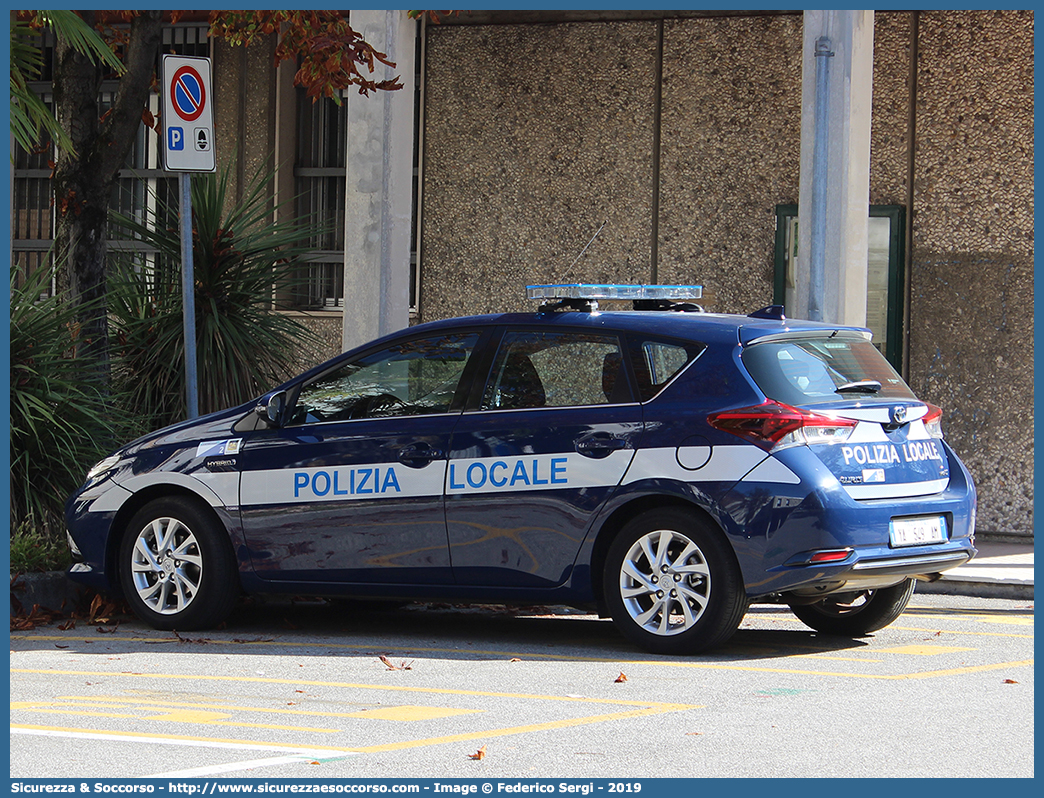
(60, 423)
(28, 113)
(242, 263)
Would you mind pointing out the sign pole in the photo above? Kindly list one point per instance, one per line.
(188, 294)
(188, 146)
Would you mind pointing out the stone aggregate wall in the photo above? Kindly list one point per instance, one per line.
(327, 328)
(534, 136)
(536, 133)
(971, 336)
(730, 152)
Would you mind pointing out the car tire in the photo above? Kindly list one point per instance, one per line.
(705, 599)
(177, 568)
(856, 614)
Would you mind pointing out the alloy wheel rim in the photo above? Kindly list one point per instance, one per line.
(665, 582)
(166, 566)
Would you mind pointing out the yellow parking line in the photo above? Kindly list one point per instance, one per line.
(485, 734)
(839, 659)
(447, 691)
(555, 724)
(48, 711)
(936, 630)
(384, 713)
(353, 686)
(969, 669)
(1005, 619)
(166, 714)
(924, 650)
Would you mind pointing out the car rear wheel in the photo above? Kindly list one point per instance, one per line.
(672, 585)
(177, 567)
(855, 614)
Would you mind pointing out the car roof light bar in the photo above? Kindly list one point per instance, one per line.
(596, 291)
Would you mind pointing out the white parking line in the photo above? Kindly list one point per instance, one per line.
(232, 767)
(290, 753)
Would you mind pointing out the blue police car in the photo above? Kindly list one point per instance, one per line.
(664, 465)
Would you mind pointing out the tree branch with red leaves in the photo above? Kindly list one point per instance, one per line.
(332, 55)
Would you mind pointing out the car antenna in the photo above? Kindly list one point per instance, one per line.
(589, 243)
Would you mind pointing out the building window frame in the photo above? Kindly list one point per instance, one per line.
(785, 254)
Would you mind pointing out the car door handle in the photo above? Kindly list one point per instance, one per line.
(599, 444)
(418, 455)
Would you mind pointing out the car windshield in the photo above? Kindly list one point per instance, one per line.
(817, 370)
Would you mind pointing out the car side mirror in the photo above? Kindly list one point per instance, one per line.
(271, 408)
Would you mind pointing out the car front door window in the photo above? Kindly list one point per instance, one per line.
(415, 377)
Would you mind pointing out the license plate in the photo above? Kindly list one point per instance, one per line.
(917, 531)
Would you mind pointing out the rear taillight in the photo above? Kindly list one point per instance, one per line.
(933, 421)
(774, 425)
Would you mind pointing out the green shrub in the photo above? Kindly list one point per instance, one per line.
(242, 260)
(32, 551)
(60, 424)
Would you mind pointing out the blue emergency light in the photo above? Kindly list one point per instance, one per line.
(584, 296)
(614, 291)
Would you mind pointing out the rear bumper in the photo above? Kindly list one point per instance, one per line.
(875, 572)
(924, 566)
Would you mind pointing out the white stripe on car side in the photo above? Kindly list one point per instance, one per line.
(515, 473)
(725, 464)
(218, 489)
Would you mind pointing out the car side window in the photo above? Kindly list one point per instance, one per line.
(556, 369)
(415, 377)
(656, 363)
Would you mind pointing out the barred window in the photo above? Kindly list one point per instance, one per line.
(319, 178)
(140, 185)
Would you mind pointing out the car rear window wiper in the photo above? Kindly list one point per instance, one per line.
(859, 386)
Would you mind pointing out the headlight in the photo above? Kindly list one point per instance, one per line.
(100, 469)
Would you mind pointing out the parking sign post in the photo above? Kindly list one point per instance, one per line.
(187, 111)
(188, 146)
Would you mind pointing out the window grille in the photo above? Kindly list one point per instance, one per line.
(139, 185)
(319, 179)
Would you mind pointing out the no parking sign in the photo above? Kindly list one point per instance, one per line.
(188, 115)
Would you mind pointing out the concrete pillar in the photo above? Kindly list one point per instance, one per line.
(835, 165)
(378, 213)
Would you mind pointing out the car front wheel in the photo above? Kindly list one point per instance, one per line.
(857, 613)
(176, 566)
(672, 585)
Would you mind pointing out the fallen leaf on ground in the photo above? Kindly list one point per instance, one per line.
(201, 640)
(24, 622)
(402, 666)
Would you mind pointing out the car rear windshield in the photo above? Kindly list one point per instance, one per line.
(817, 370)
